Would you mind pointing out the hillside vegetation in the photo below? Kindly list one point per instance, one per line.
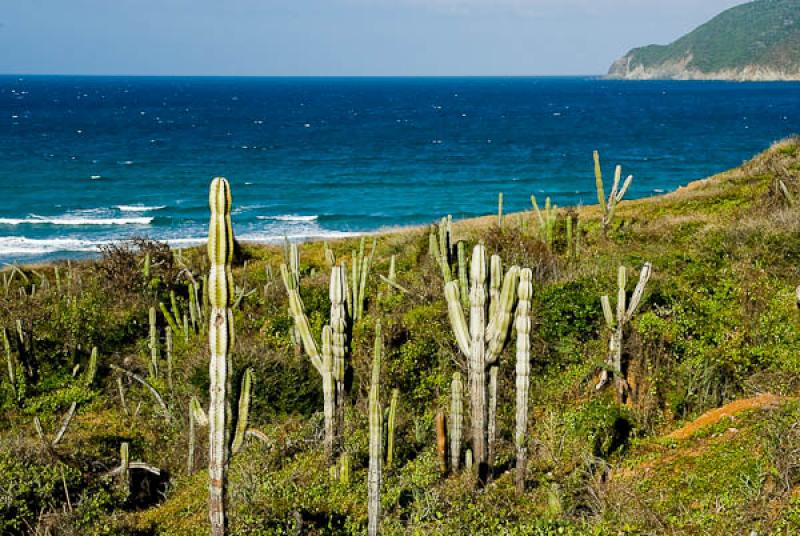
(755, 41)
(718, 325)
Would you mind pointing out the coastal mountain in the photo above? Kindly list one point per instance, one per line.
(755, 41)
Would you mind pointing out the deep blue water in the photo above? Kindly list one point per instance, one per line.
(86, 160)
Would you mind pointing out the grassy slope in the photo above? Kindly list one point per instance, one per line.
(718, 322)
(765, 32)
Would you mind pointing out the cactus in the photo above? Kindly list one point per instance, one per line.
(242, 416)
(500, 210)
(481, 342)
(374, 476)
(344, 469)
(331, 363)
(168, 350)
(491, 432)
(360, 273)
(171, 319)
(546, 219)
(196, 417)
(330, 256)
(124, 458)
(121, 390)
(441, 246)
(616, 195)
(456, 420)
(463, 276)
(392, 418)
(221, 341)
(468, 460)
(12, 367)
(441, 442)
(617, 327)
(291, 280)
(153, 343)
(522, 324)
(91, 368)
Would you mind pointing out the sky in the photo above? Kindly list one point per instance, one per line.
(336, 37)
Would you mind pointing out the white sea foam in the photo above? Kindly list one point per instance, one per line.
(139, 208)
(289, 218)
(19, 245)
(74, 221)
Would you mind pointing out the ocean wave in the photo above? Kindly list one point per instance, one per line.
(19, 245)
(289, 218)
(139, 208)
(74, 221)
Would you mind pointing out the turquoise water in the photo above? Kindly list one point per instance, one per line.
(87, 160)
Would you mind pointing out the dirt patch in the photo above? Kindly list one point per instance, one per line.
(761, 401)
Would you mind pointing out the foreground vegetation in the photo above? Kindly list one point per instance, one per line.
(717, 324)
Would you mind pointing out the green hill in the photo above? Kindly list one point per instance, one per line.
(755, 41)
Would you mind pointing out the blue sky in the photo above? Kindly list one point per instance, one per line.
(336, 37)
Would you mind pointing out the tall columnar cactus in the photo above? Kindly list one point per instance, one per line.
(91, 368)
(456, 420)
(153, 344)
(390, 428)
(441, 246)
(331, 361)
(375, 476)
(616, 324)
(221, 341)
(614, 197)
(168, 351)
(330, 256)
(484, 338)
(500, 210)
(546, 219)
(522, 324)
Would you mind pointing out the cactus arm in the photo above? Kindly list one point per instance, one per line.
(608, 315)
(612, 197)
(463, 278)
(242, 416)
(495, 283)
(500, 325)
(622, 282)
(636, 298)
(522, 324)
(538, 212)
(598, 179)
(392, 421)
(220, 333)
(65, 424)
(154, 338)
(457, 319)
(624, 189)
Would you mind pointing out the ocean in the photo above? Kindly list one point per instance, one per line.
(88, 160)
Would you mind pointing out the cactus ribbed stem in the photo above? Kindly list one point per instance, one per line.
(463, 278)
(374, 476)
(390, 429)
(500, 210)
(492, 425)
(456, 420)
(168, 349)
(242, 417)
(153, 342)
(91, 368)
(221, 340)
(522, 324)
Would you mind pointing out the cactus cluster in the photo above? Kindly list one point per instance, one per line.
(329, 358)
(616, 325)
(482, 340)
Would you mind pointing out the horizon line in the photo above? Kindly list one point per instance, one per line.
(139, 75)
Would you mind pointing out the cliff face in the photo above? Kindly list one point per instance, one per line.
(758, 41)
